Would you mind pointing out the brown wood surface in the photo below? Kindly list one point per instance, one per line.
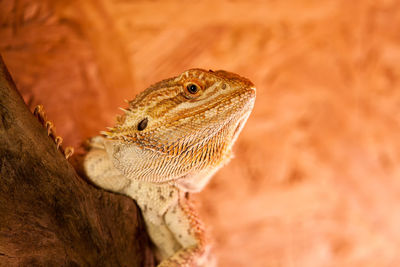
(49, 216)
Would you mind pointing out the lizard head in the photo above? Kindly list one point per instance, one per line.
(182, 128)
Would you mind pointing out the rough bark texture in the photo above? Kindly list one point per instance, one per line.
(49, 216)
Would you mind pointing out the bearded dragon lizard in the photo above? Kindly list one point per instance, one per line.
(170, 140)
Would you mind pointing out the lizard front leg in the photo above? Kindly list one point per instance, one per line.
(183, 222)
(172, 224)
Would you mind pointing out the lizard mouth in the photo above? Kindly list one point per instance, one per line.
(244, 117)
(238, 127)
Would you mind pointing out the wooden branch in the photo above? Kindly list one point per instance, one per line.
(49, 216)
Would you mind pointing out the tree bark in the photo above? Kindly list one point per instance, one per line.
(49, 216)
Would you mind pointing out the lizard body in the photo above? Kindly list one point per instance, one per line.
(170, 140)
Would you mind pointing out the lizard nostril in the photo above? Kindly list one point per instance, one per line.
(143, 124)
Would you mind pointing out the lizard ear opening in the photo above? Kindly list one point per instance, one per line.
(143, 124)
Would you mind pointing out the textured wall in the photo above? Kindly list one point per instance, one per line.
(315, 180)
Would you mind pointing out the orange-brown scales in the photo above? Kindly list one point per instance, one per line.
(171, 139)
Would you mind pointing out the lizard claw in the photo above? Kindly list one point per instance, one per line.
(39, 113)
(50, 128)
(58, 140)
(41, 116)
(68, 152)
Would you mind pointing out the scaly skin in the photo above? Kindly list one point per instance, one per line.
(172, 138)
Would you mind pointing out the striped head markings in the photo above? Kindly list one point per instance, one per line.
(197, 115)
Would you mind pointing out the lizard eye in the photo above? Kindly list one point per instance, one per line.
(142, 124)
(192, 88)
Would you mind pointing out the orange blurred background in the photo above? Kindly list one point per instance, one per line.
(315, 180)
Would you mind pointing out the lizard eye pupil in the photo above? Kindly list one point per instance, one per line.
(192, 88)
(143, 124)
